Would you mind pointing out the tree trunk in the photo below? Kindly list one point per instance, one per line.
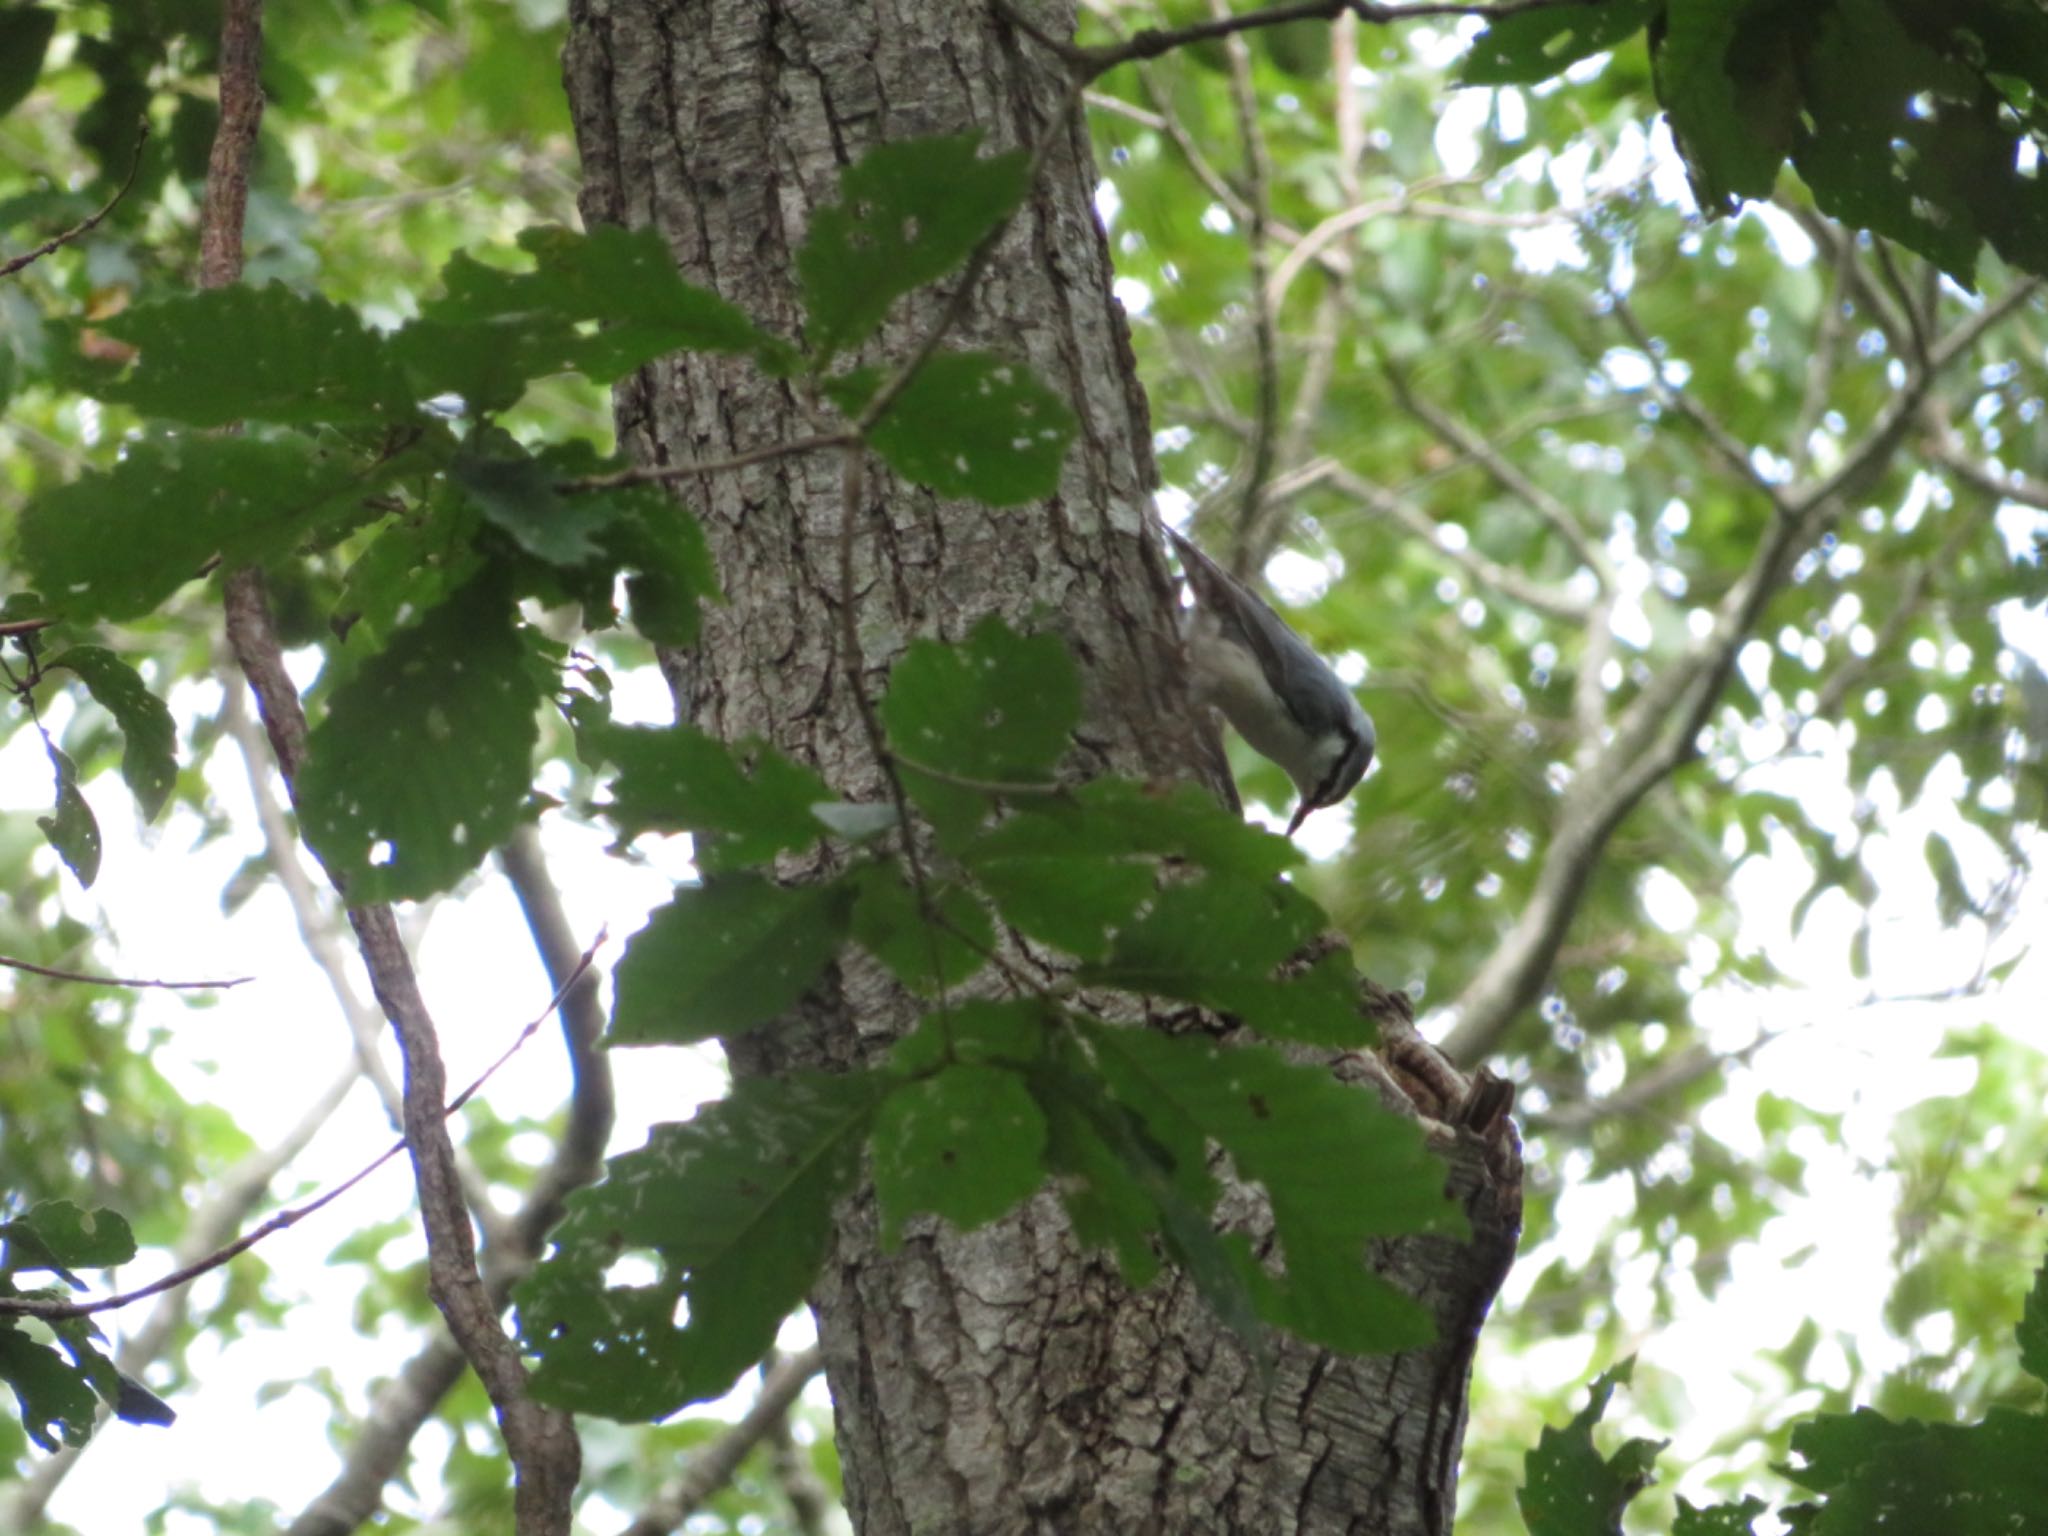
(999, 1381)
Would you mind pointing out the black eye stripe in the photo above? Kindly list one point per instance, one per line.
(1327, 791)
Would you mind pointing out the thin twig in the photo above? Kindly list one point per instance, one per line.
(711, 1468)
(119, 981)
(57, 242)
(659, 474)
(30, 1306)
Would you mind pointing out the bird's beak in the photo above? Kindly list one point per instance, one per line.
(1300, 815)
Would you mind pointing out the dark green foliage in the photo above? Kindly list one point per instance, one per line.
(909, 214)
(1572, 1489)
(966, 1143)
(423, 762)
(725, 956)
(969, 424)
(733, 1209)
(71, 828)
(149, 755)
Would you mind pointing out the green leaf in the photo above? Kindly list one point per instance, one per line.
(492, 331)
(115, 545)
(424, 760)
(1337, 1167)
(57, 1406)
(1057, 895)
(746, 802)
(71, 828)
(515, 491)
(979, 1030)
(967, 1144)
(998, 709)
(200, 362)
(2033, 1328)
(926, 955)
(1718, 1519)
(149, 753)
(1219, 941)
(1959, 1479)
(1535, 45)
(968, 424)
(1726, 73)
(1569, 1488)
(723, 957)
(25, 33)
(908, 214)
(59, 1236)
(736, 1205)
(415, 561)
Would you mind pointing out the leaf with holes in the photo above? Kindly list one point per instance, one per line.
(1338, 1169)
(927, 952)
(1535, 45)
(318, 362)
(969, 424)
(1220, 941)
(747, 802)
(998, 708)
(908, 214)
(734, 1210)
(114, 545)
(725, 956)
(424, 760)
(1569, 1488)
(71, 828)
(149, 737)
(966, 1144)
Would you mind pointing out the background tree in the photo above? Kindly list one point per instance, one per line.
(1590, 537)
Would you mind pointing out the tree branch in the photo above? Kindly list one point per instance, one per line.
(57, 242)
(713, 1467)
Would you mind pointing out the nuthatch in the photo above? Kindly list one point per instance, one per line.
(1280, 695)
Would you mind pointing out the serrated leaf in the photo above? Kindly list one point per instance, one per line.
(57, 1406)
(410, 567)
(1725, 73)
(1981, 1479)
(969, 424)
(998, 708)
(1059, 896)
(737, 1206)
(71, 828)
(515, 491)
(966, 1144)
(149, 736)
(925, 953)
(492, 330)
(1219, 941)
(114, 545)
(723, 957)
(1338, 1170)
(1535, 45)
(908, 214)
(59, 1236)
(317, 361)
(423, 762)
(1569, 1488)
(25, 33)
(1120, 817)
(1718, 1519)
(747, 802)
(978, 1030)
(2033, 1329)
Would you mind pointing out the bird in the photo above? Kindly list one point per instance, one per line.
(1278, 694)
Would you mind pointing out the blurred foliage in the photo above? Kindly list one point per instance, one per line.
(1516, 235)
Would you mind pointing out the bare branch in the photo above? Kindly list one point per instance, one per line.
(87, 226)
(713, 1467)
(236, 1195)
(12, 964)
(1510, 583)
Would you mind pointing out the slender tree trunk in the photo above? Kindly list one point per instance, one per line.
(999, 1381)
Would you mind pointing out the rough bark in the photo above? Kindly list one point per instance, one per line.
(999, 1381)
